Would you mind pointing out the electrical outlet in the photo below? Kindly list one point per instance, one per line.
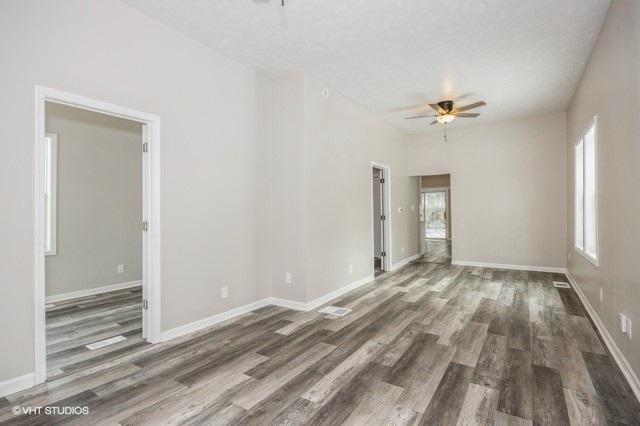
(601, 295)
(402, 250)
(569, 255)
(413, 208)
(120, 269)
(351, 269)
(625, 325)
(623, 322)
(224, 292)
(287, 278)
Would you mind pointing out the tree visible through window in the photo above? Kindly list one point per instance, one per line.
(435, 214)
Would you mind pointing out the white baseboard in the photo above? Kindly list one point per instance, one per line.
(16, 384)
(92, 291)
(507, 266)
(309, 306)
(405, 261)
(615, 351)
(289, 304)
(212, 320)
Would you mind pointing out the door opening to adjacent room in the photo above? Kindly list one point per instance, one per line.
(380, 215)
(97, 232)
(435, 212)
(93, 238)
(435, 218)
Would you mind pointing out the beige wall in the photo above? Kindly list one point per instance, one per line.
(344, 138)
(507, 188)
(320, 212)
(99, 200)
(284, 212)
(208, 106)
(610, 89)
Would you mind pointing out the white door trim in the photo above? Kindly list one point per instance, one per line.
(386, 203)
(151, 212)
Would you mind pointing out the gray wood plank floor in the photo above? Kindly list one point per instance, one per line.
(73, 324)
(430, 343)
(436, 251)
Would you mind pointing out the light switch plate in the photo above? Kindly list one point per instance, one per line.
(224, 292)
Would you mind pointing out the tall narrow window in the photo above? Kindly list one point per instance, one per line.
(586, 226)
(50, 196)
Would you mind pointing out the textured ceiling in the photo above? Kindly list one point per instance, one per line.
(522, 57)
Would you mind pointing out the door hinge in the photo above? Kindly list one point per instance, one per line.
(145, 226)
(383, 217)
(383, 254)
(145, 147)
(145, 304)
(382, 180)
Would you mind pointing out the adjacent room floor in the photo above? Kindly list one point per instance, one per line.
(74, 324)
(429, 343)
(436, 251)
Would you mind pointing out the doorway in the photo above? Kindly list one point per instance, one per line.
(380, 175)
(48, 237)
(435, 210)
(435, 218)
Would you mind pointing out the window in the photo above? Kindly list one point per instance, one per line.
(50, 196)
(586, 224)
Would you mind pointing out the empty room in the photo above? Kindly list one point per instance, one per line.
(320, 212)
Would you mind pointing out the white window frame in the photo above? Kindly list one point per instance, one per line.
(51, 197)
(593, 260)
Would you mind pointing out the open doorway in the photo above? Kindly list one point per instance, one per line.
(97, 234)
(435, 218)
(93, 237)
(380, 217)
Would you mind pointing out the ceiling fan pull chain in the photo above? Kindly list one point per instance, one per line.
(445, 132)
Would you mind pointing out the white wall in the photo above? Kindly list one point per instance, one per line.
(610, 89)
(99, 200)
(507, 188)
(208, 104)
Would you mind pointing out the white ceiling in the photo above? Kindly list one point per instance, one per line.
(522, 57)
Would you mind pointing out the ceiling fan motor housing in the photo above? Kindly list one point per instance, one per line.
(447, 106)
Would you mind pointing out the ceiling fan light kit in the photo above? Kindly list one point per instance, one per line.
(445, 118)
(446, 113)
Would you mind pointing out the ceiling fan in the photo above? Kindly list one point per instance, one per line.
(266, 1)
(446, 112)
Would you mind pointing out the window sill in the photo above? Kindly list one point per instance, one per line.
(591, 260)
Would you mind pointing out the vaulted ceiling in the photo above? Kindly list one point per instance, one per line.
(522, 57)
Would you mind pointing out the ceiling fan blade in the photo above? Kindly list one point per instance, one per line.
(433, 122)
(419, 116)
(437, 108)
(471, 106)
(467, 114)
